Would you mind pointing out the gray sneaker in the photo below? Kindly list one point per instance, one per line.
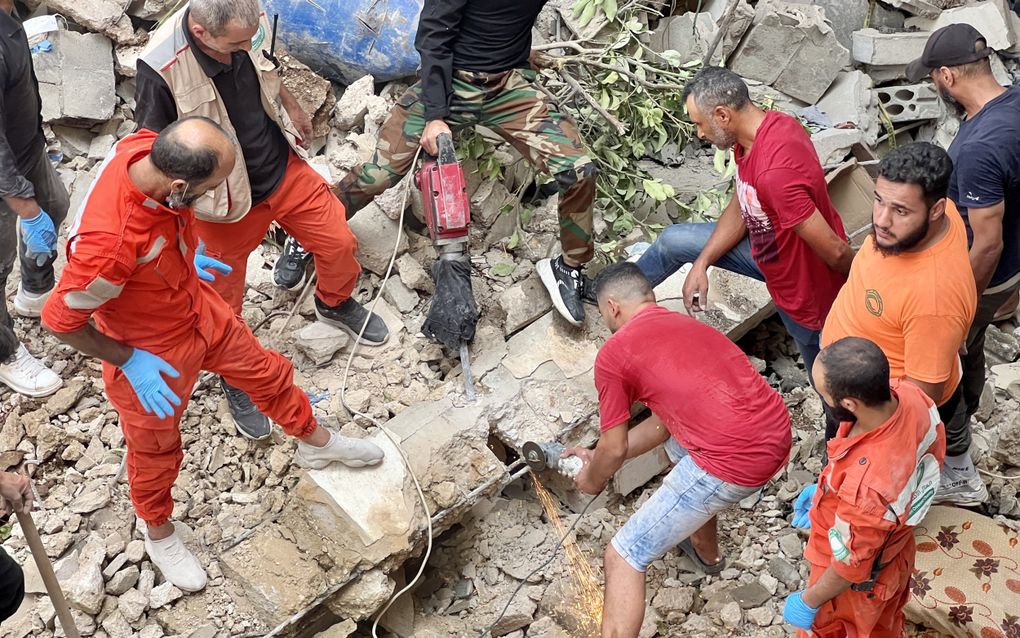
(350, 452)
(960, 483)
(350, 316)
(250, 423)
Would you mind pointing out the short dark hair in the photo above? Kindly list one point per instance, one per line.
(176, 159)
(623, 279)
(856, 368)
(714, 86)
(920, 163)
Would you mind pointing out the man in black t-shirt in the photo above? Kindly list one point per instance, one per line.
(985, 187)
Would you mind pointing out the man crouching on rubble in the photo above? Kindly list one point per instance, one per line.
(135, 268)
(726, 430)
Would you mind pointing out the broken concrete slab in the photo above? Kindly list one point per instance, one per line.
(992, 18)
(834, 144)
(792, 48)
(376, 233)
(76, 79)
(690, 34)
(909, 103)
(638, 471)
(850, 100)
(925, 8)
(524, 302)
(551, 339)
(871, 46)
(98, 16)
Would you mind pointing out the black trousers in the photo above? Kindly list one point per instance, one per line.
(12, 586)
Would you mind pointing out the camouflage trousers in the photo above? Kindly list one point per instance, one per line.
(509, 104)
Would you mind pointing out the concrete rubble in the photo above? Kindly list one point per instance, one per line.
(293, 552)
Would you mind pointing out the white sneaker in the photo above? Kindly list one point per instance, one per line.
(27, 375)
(30, 304)
(960, 483)
(350, 452)
(176, 562)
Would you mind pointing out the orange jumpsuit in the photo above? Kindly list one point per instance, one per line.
(875, 488)
(308, 210)
(130, 268)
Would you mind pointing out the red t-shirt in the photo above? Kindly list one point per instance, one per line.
(707, 393)
(780, 183)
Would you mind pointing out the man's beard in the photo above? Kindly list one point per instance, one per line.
(903, 244)
(840, 413)
(951, 102)
(720, 138)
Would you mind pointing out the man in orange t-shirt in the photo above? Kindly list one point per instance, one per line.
(911, 288)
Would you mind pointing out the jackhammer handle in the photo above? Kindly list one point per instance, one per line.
(447, 152)
(46, 571)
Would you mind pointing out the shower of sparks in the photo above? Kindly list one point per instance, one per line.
(586, 586)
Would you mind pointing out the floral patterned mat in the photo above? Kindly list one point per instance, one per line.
(966, 579)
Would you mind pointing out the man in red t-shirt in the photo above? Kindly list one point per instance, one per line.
(727, 431)
(780, 227)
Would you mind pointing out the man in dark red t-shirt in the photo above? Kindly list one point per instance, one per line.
(780, 226)
(726, 430)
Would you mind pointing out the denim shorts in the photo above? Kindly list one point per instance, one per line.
(689, 498)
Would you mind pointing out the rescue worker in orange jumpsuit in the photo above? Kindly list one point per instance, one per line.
(883, 472)
(135, 268)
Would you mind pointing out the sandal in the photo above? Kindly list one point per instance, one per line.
(687, 547)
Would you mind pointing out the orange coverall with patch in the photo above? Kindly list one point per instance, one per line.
(874, 489)
(130, 269)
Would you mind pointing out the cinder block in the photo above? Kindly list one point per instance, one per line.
(888, 49)
(76, 79)
(909, 103)
(639, 470)
(850, 99)
(792, 48)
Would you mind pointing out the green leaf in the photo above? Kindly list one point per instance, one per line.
(672, 57)
(610, 8)
(719, 161)
(611, 77)
(514, 240)
(580, 6)
(503, 269)
(653, 189)
(586, 15)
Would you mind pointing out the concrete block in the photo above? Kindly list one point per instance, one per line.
(76, 79)
(792, 48)
(846, 16)
(639, 470)
(882, 74)
(690, 34)
(909, 103)
(870, 46)
(924, 8)
(992, 18)
(850, 99)
(834, 144)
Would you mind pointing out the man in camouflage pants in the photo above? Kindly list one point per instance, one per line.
(474, 71)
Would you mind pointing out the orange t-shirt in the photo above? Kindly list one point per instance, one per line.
(917, 306)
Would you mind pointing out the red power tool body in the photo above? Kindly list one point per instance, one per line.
(444, 193)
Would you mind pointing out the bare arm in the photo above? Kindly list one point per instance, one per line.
(729, 230)
(646, 436)
(602, 464)
(987, 247)
(93, 343)
(933, 390)
(835, 252)
(825, 589)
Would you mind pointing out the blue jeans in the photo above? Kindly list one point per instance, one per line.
(689, 498)
(680, 244)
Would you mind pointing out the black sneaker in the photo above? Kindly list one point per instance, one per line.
(250, 423)
(350, 316)
(566, 287)
(588, 291)
(292, 267)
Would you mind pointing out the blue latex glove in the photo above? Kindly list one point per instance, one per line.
(40, 237)
(802, 506)
(202, 262)
(797, 613)
(144, 371)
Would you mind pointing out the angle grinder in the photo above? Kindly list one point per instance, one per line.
(547, 456)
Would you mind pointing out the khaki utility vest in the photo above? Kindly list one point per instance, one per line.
(169, 54)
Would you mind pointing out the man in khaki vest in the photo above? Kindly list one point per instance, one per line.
(211, 58)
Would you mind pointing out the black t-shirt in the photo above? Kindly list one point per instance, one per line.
(470, 35)
(265, 149)
(21, 136)
(986, 171)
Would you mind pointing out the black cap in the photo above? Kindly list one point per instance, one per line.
(954, 45)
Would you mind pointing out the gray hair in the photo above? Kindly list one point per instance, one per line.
(215, 15)
(715, 86)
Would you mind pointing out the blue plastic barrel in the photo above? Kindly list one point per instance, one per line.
(345, 39)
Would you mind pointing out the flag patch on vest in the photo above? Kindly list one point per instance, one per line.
(259, 37)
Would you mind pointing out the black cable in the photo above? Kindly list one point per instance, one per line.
(540, 567)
